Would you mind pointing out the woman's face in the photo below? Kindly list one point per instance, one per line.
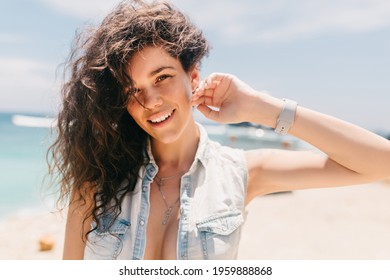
(162, 103)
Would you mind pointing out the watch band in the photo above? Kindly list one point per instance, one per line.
(286, 117)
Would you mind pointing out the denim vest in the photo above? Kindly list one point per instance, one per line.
(212, 202)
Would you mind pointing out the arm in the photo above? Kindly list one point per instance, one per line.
(76, 227)
(352, 155)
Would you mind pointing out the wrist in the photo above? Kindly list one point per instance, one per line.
(265, 110)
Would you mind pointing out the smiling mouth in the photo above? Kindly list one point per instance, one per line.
(162, 118)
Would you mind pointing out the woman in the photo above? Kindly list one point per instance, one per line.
(143, 179)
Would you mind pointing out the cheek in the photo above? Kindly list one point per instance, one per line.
(182, 88)
(186, 94)
(130, 109)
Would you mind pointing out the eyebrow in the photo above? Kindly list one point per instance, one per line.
(158, 70)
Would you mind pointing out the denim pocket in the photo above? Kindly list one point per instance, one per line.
(105, 242)
(220, 235)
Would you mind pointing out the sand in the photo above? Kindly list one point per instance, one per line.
(350, 223)
(339, 223)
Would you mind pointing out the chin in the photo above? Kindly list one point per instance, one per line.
(167, 137)
(173, 131)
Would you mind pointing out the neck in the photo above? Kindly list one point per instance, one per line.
(177, 157)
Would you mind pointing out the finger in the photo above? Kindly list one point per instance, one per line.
(195, 96)
(208, 92)
(217, 79)
(211, 101)
(200, 89)
(212, 82)
(203, 91)
(208, 112)
(195, 101)
(208, 101)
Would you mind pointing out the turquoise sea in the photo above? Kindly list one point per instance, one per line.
(22, 165)
(24, 140)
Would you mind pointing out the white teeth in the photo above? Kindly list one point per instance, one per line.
(162, 118)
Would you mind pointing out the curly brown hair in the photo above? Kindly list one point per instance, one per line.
(99, 148)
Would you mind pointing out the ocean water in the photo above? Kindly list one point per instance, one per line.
(22, 165)
(23, 157)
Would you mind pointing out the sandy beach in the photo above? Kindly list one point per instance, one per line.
(322, 224)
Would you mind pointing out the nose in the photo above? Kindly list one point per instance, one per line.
(151, 98)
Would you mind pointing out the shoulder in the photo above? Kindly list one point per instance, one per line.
(220, 159)
(226, 164)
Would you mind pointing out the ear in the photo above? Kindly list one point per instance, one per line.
(194, 78)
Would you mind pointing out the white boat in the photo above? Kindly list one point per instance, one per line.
(33, 121)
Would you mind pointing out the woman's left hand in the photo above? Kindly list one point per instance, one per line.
(225, 99)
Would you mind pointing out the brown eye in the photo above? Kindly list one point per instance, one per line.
(162, 78)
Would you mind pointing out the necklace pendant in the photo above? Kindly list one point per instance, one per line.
(167, 215)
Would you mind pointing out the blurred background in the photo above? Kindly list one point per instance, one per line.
(330, 55)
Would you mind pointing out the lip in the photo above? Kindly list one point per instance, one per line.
(159, 115)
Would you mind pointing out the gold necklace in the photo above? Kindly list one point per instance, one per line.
(160, 184)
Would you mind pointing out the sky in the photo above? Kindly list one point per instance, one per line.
(329, 55)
